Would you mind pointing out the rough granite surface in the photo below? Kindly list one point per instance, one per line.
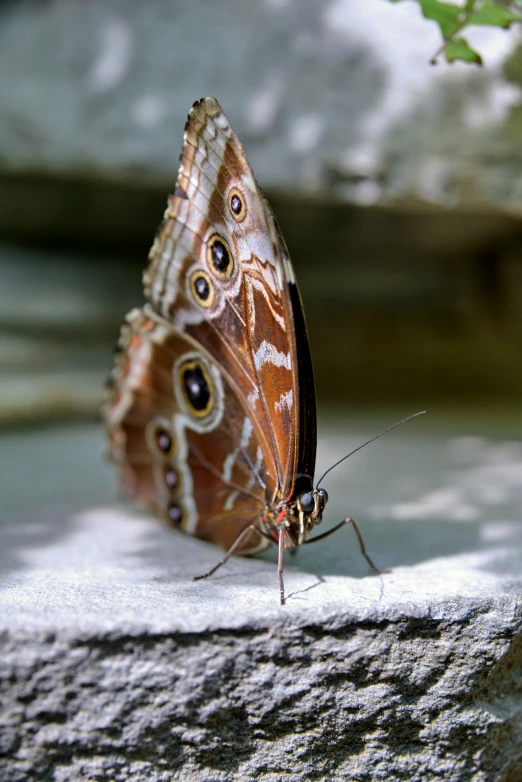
(116, 666)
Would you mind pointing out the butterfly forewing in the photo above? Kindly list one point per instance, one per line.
(247, 320)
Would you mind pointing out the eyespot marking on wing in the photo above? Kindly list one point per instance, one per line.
(236, 202)
(219, 257)
(202, 288)
(161, 440)
(198, 387)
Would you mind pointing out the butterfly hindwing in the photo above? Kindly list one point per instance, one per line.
(182, 436)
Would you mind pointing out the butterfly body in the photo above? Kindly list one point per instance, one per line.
(211, 418)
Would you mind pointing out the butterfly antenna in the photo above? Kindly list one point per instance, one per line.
(389, 428)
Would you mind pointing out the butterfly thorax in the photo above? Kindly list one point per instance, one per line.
(298, 517)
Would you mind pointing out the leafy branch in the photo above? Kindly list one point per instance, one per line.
(453, 19)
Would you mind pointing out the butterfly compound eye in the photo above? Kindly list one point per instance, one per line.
(236, 203)
(307, 502)
(219, 257)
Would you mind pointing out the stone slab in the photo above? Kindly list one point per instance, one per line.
(117, 666)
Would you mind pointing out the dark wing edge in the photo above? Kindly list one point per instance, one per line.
(306, 435)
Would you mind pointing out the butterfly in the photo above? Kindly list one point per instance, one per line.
(211, 416)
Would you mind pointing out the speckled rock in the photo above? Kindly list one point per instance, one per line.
(116, 666)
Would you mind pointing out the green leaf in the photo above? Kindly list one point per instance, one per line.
(494, 16)
(445, 14)
(452, 19)
(459, 49)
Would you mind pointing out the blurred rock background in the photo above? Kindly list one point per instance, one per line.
(397, 185)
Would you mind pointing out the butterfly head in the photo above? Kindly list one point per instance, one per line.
(301, 515)
(312, 504)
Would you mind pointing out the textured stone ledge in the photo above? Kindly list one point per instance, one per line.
(117, 668)
(115, 665)
(305, 699)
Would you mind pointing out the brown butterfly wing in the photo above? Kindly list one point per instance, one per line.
(205, 469)
(219, 271)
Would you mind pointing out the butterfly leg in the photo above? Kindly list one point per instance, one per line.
(360, 540)
(229, 553)
(280, 559)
